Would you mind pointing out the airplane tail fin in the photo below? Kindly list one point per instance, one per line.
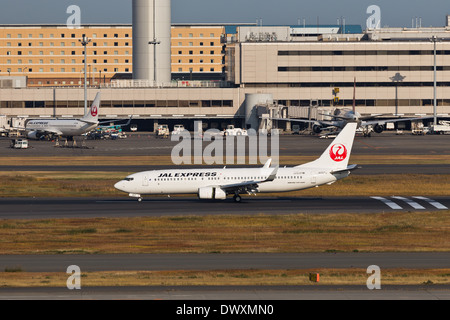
(92, 114)
(337, 155)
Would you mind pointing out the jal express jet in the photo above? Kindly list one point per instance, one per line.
(65, 127)
(219, 183)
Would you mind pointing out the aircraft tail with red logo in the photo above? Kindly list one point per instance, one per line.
(92, 115)
(336, 156)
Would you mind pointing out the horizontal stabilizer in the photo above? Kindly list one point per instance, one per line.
(349, 168)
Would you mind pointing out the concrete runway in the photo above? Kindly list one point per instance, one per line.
(285, 298)
(55, 208)
(369, 169)
(144, 144)
(232, 261)
(282, 261)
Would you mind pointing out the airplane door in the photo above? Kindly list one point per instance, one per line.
(313, 180)
(145, 181)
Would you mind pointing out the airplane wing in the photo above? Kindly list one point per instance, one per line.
(116, 125)
(321, 122)
(384, 121)
(248, 186)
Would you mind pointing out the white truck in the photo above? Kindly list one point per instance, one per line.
(442, 128)
(232, 131)
(177, 129)
(19, 144)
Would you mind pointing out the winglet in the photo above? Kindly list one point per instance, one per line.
(267, 164)
(272, 175)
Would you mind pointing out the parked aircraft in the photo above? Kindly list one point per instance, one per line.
(219, 183)
(38, 128)
(342, 116)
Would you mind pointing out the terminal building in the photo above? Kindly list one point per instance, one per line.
(226, 74)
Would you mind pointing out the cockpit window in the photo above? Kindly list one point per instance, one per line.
(129, 179)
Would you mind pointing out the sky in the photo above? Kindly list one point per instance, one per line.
(394, 13)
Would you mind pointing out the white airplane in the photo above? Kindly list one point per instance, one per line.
(342, 116)
(218, 183)
(38, 128)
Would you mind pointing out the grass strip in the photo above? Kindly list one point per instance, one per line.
(227, 278)
(101, 184)
(55, 161)
(384, 232)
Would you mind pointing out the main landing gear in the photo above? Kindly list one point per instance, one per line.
(237, 198)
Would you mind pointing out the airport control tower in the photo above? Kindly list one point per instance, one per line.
(151, 40)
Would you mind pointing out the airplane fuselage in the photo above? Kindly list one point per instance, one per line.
(65, 127)
(189, 181)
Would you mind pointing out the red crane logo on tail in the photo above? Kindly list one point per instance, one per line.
(338, 152)
(94, 111)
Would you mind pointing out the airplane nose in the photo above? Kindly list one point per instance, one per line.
(119, 186)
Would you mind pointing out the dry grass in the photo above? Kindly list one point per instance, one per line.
(101, 184)
(226, 278)
(56, 161)
(390, 232)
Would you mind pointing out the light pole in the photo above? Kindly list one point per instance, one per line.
(397, 78)
(154, 43)
(84, 41)
(434, 39)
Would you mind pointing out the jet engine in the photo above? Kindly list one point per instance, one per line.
(317, 129)
(212, 193)
(34, 135)
(378, 128)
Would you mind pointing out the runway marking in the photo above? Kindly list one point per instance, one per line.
(389, 203)
(433, 203)
(412, 203)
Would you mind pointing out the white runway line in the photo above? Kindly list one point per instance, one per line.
(388, 202)
(433, 203)
(412, 203)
